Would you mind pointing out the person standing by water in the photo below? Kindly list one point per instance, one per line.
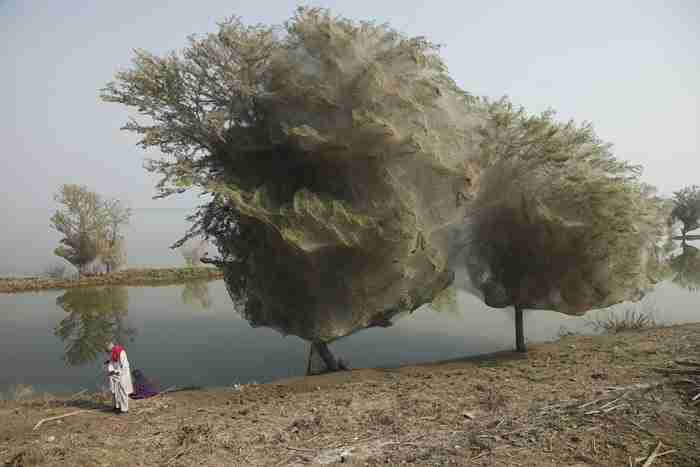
(119, 377)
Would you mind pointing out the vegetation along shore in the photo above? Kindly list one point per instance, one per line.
(128, 277)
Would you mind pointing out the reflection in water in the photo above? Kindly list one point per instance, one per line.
(319, 327)
(686, 268)
(95, 317)
(196, 293)
(315, 301)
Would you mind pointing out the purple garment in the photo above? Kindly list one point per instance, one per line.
(143, 387)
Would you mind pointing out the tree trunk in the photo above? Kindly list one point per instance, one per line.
(519, 330)
(326, 355)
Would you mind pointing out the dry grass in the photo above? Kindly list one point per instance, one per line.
(631, 320)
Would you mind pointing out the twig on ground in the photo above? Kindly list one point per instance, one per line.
(170, 389)
(179, 454)
(670, 451)
(670, 371)
(43, 420)
(590, 403)
(636, 387)
(653, 455)
(687, 362)
(79, 393)
(615, 407)
(605, 406)
(292, 448)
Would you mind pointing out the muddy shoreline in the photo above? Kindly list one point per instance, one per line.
(584, 400)
(126, 277)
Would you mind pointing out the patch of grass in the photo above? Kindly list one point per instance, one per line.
(631, 320)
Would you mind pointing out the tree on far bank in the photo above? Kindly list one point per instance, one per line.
(116, 216)
(90, 227)
(686, 208)
(81, 222)
(193, 251)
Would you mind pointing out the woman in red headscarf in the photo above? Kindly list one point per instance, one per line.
(119, 374)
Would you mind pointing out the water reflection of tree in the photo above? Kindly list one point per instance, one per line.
(686, 268)
(96, 316)
(197, 293)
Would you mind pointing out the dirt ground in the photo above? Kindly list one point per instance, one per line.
(583, 401)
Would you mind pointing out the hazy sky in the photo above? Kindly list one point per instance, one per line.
(630, 67)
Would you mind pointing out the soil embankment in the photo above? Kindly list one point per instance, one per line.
(126, 277)
(583, 401)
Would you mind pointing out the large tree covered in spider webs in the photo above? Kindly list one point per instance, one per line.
(350, 178)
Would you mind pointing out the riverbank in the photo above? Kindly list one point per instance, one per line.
(126, 277)
(584, 400)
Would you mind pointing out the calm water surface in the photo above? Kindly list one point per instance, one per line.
(191, 335)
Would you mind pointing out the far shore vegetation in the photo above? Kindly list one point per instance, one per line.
(91, 227)
(128, 277)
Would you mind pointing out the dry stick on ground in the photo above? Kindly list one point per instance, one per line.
(79, 393)
(653, 455)
(170, 389)
(56, 418)
(687, 362)
(677, 372)
(292, 448)
(665, 453)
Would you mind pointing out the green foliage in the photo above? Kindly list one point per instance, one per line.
(686, 208)
(347, 175)
(686, 268)
(90, 227)
(95, 318)
(559, 222)
(116, 216)
(81, 222)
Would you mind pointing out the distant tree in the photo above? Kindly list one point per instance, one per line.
(686, 209)
(193, 251)
(116, 217)
(58, 271)
(91, 228)
(81, 221)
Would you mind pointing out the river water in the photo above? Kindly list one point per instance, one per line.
(191, 335)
